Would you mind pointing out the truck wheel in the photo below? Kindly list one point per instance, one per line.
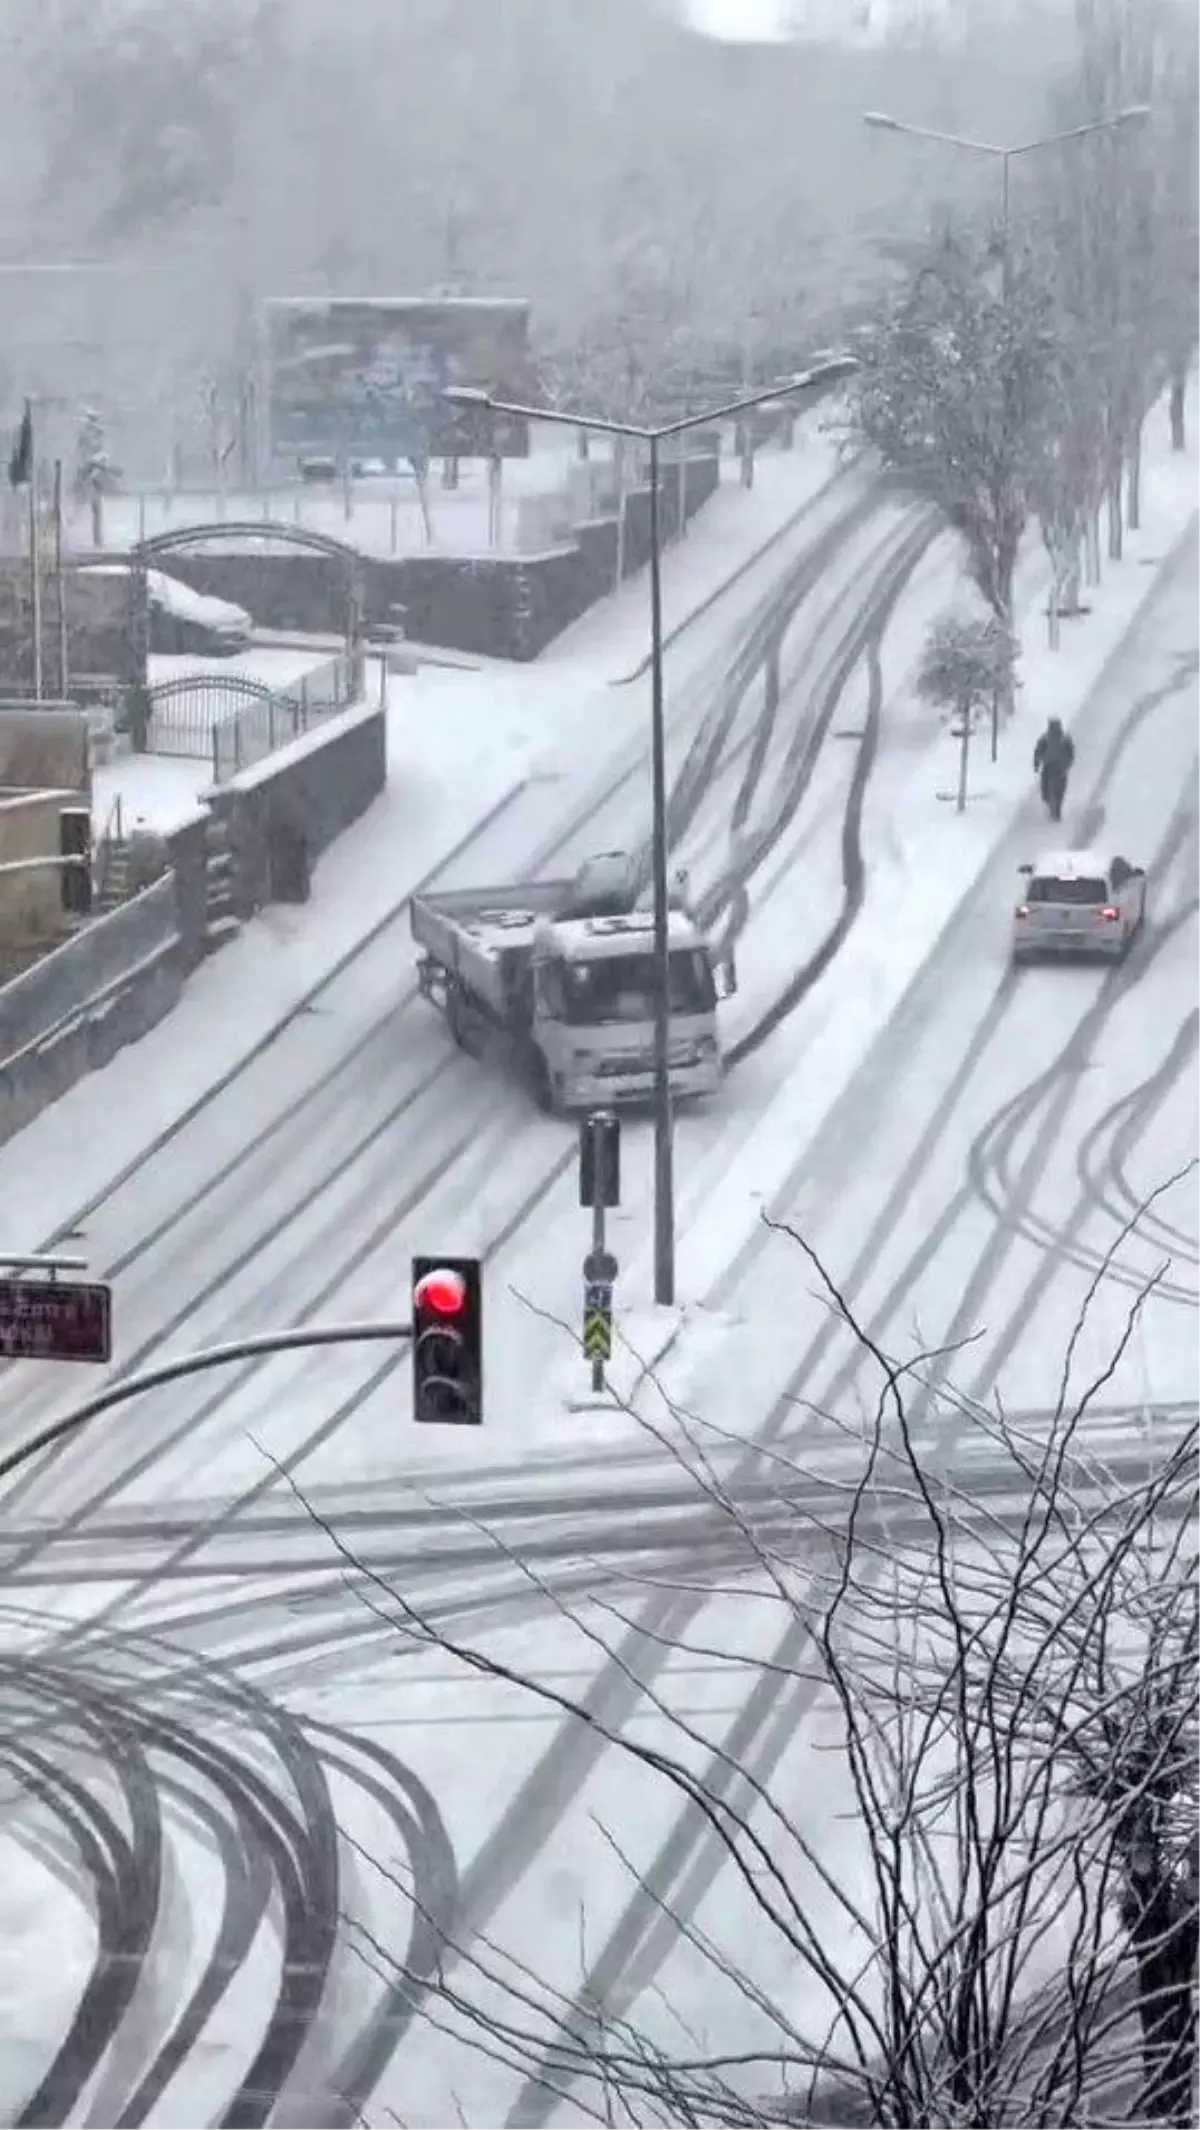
(456, 1021)
(544, 1092)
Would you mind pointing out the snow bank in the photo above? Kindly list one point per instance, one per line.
(157, 792)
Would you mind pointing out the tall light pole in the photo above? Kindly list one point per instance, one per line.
(814, 380)
(1133, 114)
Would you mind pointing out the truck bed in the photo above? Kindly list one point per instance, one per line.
(479, 934)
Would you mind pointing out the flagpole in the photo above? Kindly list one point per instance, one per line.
(35, 563)
(60, 581)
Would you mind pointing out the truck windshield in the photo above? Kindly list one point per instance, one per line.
(620, 987)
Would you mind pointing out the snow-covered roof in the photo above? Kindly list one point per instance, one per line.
(178, 599)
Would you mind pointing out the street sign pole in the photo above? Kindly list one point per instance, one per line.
(599, 1188)
(598, 1242)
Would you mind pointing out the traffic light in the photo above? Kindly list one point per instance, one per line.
(447, 1341)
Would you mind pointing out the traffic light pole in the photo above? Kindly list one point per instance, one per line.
(194, 1364)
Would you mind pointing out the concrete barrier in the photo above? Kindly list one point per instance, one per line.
(109, 985)
(71, 1012)
(317, 786)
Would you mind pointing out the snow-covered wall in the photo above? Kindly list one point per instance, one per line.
(74, 1009)
(316, 786)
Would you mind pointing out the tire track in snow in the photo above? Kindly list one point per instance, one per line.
(269, 1847)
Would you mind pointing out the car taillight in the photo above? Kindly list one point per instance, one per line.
(1110, 916)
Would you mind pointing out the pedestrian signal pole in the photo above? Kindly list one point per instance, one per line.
(599, 1188)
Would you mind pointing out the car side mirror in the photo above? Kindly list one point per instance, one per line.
(1027, 870)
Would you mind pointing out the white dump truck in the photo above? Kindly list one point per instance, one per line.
(560, 975)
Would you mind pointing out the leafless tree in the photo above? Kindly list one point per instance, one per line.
(1122, 206)
(1014, 1680)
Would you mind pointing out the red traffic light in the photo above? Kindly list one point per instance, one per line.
(443, 1291)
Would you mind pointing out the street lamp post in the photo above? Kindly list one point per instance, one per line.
(820, 376)
(883, 122)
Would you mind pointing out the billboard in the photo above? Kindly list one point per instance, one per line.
(363, 377)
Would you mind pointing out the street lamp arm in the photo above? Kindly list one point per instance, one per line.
(194, 1364)
(885, 123)
(467, 396)
(822, 373)
(1130, 116)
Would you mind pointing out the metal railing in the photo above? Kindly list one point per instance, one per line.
(256, 729)
(110, 837)
(183, 712)
(233, 721)
(249, 734)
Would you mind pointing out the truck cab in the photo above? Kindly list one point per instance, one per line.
(561, 974)
(594, 990)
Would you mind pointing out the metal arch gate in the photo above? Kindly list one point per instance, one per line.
(225, 719)
(177, 539)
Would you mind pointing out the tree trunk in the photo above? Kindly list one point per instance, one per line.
(97, 506)
(1133, 484)
(1006, 565)
(1053, 550)
(1116, 542)
(1091, 547)
(1164, 1936)
(1070, 597)
(583, 445)
(450, 473)
(966, 712)
(1178, 421)
(422, 488)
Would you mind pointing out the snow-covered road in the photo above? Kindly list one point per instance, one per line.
(299, 1193)
(971, 1170)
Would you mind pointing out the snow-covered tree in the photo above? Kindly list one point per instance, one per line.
(958, 391)
(1122, 208)
(95, 474)
(1067, 479)
(966, 666)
